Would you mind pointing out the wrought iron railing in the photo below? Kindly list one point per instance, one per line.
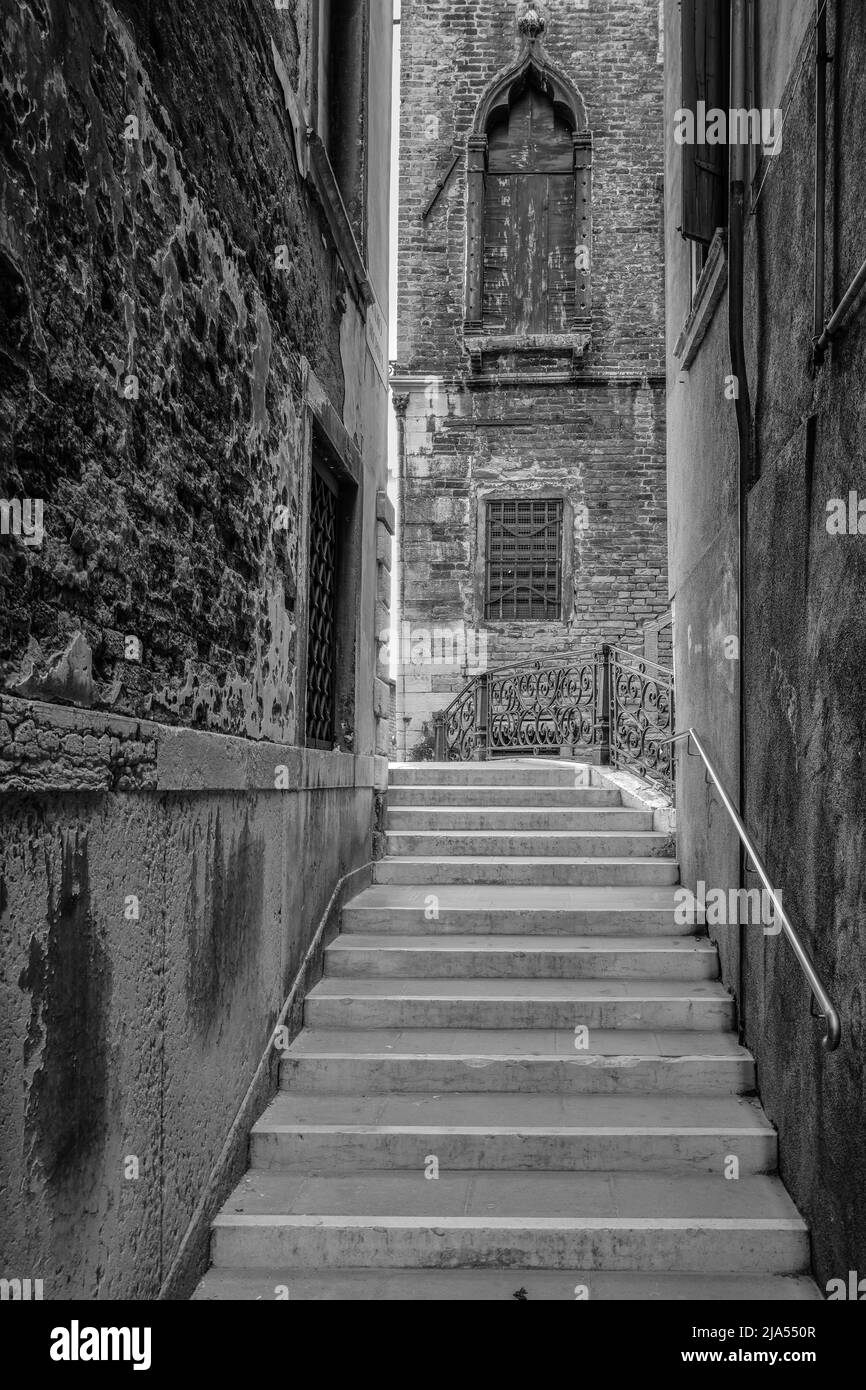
(641, 716)
(607, 702)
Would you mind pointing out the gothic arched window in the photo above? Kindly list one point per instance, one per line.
(529, 230)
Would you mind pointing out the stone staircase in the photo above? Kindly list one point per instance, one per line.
(511, 1006)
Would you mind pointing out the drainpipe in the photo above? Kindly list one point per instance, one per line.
(736, 237)
(820, 170)
(401, 405)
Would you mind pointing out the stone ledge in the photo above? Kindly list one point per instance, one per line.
(383, 696)
(515, 345)
(385, 512)
(49, 748)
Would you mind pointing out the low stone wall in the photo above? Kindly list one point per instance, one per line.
(159, 890)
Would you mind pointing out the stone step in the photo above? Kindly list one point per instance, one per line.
(503, 795)
(519, 1004)
(545, 871)
(510, 844)
(371, 1061)
(497, 772)
(489, 1285)
(501, 1219)
(534, 1132)
(449, 909)
(525, 957)
(494, 819)
(514, 999)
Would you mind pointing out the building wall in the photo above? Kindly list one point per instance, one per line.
(153, 646)
(592, 433)
(805, 636)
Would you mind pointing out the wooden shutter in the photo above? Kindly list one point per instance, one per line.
(560, 253)
(529, 222)
(498, 220)
(705, 44)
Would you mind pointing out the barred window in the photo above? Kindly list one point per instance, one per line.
(524, 559)
(322, 618)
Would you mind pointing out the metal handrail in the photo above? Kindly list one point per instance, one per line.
(827, 1010)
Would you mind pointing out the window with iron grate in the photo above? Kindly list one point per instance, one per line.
(524, 559)
(322, 615)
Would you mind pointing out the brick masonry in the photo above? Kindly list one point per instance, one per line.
(531, 423)
(156, 352)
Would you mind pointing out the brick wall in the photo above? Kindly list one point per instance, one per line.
(590, 430)
(153, 348)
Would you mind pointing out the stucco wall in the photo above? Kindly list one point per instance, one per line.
(152, 929)
(805, 634)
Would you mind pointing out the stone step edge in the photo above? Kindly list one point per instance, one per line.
(721, 1224)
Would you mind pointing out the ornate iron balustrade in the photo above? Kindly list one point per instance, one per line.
(608, 703)
(641, 716)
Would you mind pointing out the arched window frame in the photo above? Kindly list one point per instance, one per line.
(532, 66)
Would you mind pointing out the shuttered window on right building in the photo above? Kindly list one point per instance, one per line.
(705, 79)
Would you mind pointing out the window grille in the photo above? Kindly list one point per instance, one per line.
(321, 632)
(524, 559)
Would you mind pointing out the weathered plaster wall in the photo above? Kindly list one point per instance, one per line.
(702, 545)
(806, 650)
(130, 1031)
(805, 633)
(594, 440)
